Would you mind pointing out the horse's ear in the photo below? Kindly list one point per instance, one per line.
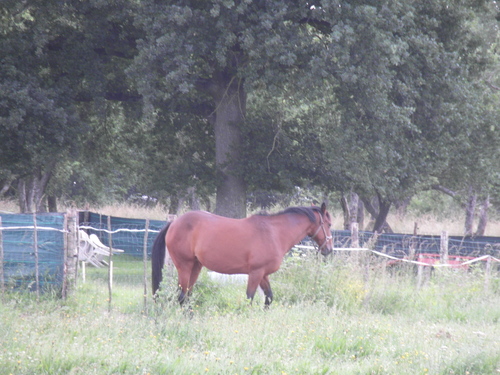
(323, 208)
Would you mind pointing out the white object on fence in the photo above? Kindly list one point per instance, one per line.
(92, 250)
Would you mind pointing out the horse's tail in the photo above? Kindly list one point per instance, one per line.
(158, 258)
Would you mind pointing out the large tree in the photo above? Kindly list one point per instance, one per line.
(220, 50)
(404, 94)
(38, 118)
(377, 98)
(60, 63)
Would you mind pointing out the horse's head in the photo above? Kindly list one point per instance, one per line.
(323, 235)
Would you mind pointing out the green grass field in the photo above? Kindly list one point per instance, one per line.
(328, 317)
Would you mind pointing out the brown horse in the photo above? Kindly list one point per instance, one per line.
(254, 246)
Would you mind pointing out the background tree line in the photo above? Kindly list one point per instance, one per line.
(245, 100)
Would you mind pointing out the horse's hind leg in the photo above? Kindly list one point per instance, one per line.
(188, 275)
(266, 288)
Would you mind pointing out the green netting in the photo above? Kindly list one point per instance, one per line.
(399, 244)
(19, 260)
(127, 234)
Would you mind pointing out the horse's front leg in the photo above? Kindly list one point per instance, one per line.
(266, 288)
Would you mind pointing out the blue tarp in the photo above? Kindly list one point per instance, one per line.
(19, 261)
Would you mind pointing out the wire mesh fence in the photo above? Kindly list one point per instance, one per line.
(36, 253)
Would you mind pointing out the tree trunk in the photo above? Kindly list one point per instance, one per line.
(52, 203)
(380, 222)
(361, 214)
(345, 210)
(483, 216)
(23, 196)
(26, 194)
(353, 208)
(31, 190)
(470, 210)
(230, 104)
(379, 214)
(5, 188)
(173, 207)
(402, 206)
(194, 202)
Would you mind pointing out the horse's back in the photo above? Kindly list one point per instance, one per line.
(182, 229)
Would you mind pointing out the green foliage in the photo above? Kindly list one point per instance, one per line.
(405, 94)
(382, 98)
(178, 154)
(433, 203)
(55, 61)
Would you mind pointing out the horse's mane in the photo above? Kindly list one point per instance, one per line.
(306, 211)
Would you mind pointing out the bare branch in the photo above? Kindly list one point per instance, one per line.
(445, 190)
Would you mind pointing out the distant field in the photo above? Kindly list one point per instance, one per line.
(331, 317)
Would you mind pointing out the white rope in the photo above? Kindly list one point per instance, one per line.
(335, 248)
(37, 228)
(80, 227)
(400, 259)
(118, 230)
(406, 260)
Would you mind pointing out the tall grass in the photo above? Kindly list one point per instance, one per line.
(338, 316)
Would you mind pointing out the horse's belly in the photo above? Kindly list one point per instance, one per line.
(239, 261)
(224, 263)
(228, 246)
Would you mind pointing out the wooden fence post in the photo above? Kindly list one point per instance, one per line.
(84, 271)
(64, 288)
(110, 267)
(413, 243)
(354, 235)
(443, 251)
(487, 274)
(70, 253)
(2, 280)
(35, 248)
(355, 242)
(145, 262)
(420, 274)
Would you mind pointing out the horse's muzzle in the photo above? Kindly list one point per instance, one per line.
(326, 251)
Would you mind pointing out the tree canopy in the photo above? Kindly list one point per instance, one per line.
(193, 99)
